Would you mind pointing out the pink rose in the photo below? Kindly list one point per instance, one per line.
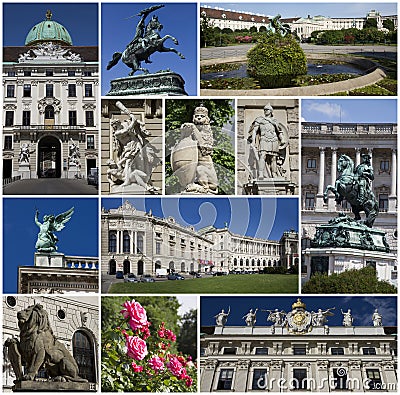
(136, 314)
(156, 363)
(137, 348)
(136, 368)
(189, 382)
(176, 367)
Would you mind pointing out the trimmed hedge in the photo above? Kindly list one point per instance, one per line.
(276, 60)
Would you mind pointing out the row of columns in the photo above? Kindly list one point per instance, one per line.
(133, 238)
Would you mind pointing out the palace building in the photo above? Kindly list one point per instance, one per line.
(299, 353)
(49, 106)
(134, 241)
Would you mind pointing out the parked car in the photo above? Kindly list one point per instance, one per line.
(131, 278)
(195, 274)
(175, 276)
(119, 274)
(147, 279)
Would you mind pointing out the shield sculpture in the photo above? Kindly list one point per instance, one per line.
(184, 160)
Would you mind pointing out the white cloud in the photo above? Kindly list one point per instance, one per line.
(188, 302)
(386, 308)
(331, 110)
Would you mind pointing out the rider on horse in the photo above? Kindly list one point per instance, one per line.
(363, 175)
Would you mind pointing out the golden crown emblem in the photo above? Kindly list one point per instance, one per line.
(298, 304)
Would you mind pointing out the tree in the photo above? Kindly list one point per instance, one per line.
(220, 112)
(388, 24)
(351, 281)
(187, 340)
(371, 22)
(262, 29)
(206, 30)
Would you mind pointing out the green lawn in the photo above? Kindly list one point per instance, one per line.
(232, 284)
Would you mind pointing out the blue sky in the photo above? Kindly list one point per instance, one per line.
(349, 110)
(264, 218)
(179, 20)
(80, 19)
(361, 307)
(79, 237)
(303, 9)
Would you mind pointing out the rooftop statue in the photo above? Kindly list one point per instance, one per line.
(37, 348)
(276, 316)
(46, 239)
(146, 41)
(347, 317)
(376, 318)
(319, 317)
(221, 318)
(250, 317)
(354, 185)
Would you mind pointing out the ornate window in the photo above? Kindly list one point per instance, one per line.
(49, 90)
(71, 90)
(369, 351)
(88, 90)
(10, 90)
(375, 382)
(49, 72)
(259, 379)
(311, 165)
(309, 201)
(140, 243)
(112, 241)
(89, 118)
(8, 142)
(26, 118)
(261, 351)
(72, 118)
(383, 202)
(126, 245)
(337, 350)
(49, 112)
(71, 73)
(340, 378)
(9, 118)
(225, 379)
(299, 380)
(90, 141)
(27, 90)
(384, 166)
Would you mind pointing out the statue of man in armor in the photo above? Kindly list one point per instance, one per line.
(267, 138)
(364, 174)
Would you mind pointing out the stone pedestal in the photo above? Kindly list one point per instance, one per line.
(165, 83)
(54, 259)
(133, 189)
(24, 170)
(73, 171)
(52, 386)
(271, 186)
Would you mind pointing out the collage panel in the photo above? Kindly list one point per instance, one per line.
(298, 49)
(349, 196)
(279, 344)
(51, 77)
(50, 245)
(131, 146)
(54, 338)
(150, 345)
(133, 40)
(199, 147)
(268, 147)
(217, 245)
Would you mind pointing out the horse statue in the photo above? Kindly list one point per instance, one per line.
(147, 40)
(354, 186)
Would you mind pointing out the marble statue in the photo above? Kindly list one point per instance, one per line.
(276, 316)
(191, 157)
(250, 317)
(268, 141)
(221, 318)
(146, 41)
(134, 157)
(347, 318)
(376, 318)
(38, 348)
(24, 155)
(354, 185)
(46, 239)
(74, 156)
(319, 317)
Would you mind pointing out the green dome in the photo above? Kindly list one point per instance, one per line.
(48, 30)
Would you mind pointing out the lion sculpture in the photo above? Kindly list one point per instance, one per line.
(39, 348)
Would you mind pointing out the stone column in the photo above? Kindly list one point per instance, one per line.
(322, 375)
(389, 376)
(118, 241)
(320, 196)
(358, 156)
(135, 249)
(331, 201)
(354, 373)
(275, 375)
(207, 375)
(393, 190)
(242, 374)
(131, 245)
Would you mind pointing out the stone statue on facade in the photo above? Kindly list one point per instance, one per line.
(354, 185)
(134, 157)
(268, 141)
(221, 318)
(347, 318)
(74, 156)
(276, 316)
(319, 317)
(191, 157)
(46, 239)
(146, 41)
(250, 317)
(376, 318)
(24, 155)
(38, 348)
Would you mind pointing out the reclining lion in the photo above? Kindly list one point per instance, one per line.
(38, 348)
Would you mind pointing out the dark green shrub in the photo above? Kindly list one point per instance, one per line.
(276, 60)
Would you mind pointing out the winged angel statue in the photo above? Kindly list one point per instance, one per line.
(47, 240)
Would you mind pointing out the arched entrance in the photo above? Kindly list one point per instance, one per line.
(182, 266)
(140, 268)
(171, 267)
(84, 355)
(127, 266)
(112, 267)
(49, 157)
